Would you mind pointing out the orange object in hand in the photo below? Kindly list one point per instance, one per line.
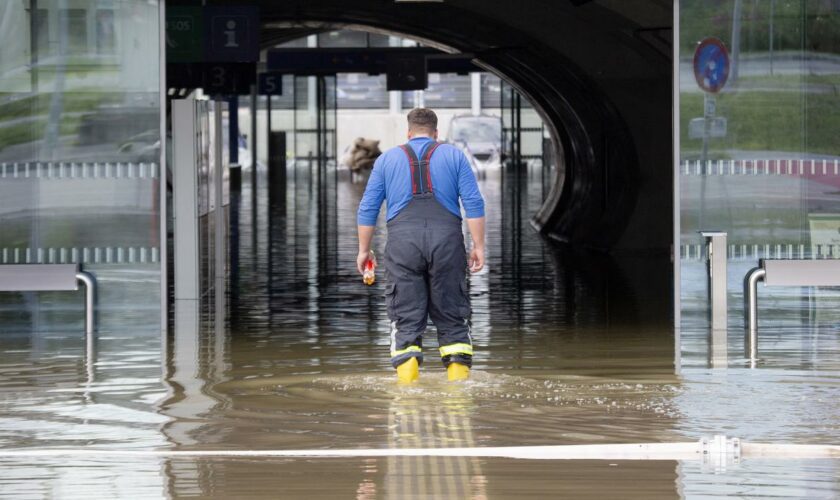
(369, 276)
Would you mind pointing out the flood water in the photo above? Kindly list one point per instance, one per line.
(571, 348)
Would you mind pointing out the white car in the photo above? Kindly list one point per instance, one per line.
(480, 138)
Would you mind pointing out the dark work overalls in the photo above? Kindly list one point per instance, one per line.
(426, 265)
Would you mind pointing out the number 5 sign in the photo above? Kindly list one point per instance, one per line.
(270, 84)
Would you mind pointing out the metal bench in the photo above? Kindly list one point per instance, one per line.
(50, 277)
(783, 272)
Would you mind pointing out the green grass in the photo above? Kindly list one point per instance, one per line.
(71, 229)
(775, 121)
(40, 104)
(34, 130)
(38, 107)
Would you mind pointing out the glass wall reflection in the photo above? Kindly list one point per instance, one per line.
(79, 156)
(760, 159)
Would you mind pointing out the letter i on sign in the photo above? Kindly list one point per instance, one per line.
(230, 34)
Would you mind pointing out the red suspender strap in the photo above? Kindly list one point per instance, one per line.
(412, 158)
(428, 161)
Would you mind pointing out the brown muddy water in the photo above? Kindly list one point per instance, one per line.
(571, 349)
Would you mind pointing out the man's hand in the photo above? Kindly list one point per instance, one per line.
(361, 260)
(476, 260)
(365, 237)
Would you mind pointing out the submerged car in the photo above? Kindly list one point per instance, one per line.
(480, 138)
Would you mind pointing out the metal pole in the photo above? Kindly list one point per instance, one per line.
(675, 186)
(475, 93)
(751, 310)
(220, 228)
(268, 114)
(253, 147)
(33, 43)
(163, 169)
(709, 105)
(770, 36)
(716, 244)
(736, 41)
(90, 300)
(704, 154)
(186, 267)
(717, 274)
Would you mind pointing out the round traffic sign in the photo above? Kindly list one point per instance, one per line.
(711, 64)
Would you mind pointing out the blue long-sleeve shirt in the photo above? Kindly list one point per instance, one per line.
(390, 180)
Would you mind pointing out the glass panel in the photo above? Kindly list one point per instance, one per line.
(329, 119)
(377, 40)
(759, 158)
(306, 118)
(362, 91)
(76, 29)
(314, 118)
(297, 43)
(106, 40)
(43, 48)
(445, 90)
(79, 154)
(343, 38)
(283, 114)
(491, 91)
(410, 99)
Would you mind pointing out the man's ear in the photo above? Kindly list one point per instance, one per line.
(436, 134)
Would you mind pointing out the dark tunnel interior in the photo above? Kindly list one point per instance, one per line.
(587, 260)
(600, 78)
(599, 75)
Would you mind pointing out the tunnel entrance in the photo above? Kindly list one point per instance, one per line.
(603, 260)
(611, 121)
(292, 241)
(571, 287)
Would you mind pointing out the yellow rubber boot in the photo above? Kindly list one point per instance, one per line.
(408, 372)
(457, 371)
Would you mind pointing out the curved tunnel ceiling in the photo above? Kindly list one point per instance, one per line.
(598, 72)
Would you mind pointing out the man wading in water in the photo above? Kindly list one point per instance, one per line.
(425, 259)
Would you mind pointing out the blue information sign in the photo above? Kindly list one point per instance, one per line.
(711, 64)
(232, 33)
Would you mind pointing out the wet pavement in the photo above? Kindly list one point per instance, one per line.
(571, 349)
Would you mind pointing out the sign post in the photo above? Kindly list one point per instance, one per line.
(711, 70)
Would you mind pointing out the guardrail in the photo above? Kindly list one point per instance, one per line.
(51, 277)
(756, 251)
(83, 255)
(799, 167)
(782, 272)
(79, 170)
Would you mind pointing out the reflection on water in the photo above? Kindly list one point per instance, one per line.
(446, 423)
(571, 349)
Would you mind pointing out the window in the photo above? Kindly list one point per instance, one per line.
(76, 20)
(106, 40)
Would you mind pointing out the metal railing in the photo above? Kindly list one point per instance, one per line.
(782, 272)
(52, 277)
